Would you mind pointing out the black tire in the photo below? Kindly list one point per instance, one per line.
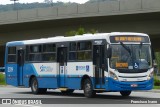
(70, 91)
(42, 90)
(88, 89)
(34, 87)
(125, 93)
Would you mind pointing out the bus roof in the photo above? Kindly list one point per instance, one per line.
(73, 38)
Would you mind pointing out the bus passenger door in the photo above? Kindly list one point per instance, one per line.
(62, 59)
(98, 61)
(20, 62)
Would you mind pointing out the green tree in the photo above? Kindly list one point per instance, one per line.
(157, 55)
(93, 1)
(48, 1)
(71, 33)
(80, 31)
(93, 31)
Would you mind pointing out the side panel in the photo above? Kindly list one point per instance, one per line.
(11, 74)
(47, 82)
(75, 72)
(12, 69)
(46, 74)
(73, 82)
(80, 68)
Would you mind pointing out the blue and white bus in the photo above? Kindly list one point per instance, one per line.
(102, 62)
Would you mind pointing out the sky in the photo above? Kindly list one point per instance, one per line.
(30, 1)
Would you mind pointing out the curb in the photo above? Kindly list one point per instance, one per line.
(154, 90)
(3, 85)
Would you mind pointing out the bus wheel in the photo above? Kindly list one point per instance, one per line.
(125, 93)
(34, 87)
(88, 89)
(43, 90)
(68, 91)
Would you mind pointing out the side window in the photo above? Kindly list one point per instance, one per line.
(35, 49)
(27, 53)
(72, 51)
(35, 52)
(49, 52)
(11, 54)
(84, 50)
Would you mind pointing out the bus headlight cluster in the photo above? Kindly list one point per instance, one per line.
(113, 75)
(150, 75)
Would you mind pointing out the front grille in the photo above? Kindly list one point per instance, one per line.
(132, 70)
(132, 77)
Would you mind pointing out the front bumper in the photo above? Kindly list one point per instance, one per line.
(121, 86)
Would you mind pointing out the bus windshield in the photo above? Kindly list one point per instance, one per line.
(133, 56)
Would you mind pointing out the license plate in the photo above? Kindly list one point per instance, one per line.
(134, 85)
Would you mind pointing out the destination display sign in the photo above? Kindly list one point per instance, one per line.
(116, 39)
(121, 65)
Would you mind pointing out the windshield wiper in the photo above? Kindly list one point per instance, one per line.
(125, 47)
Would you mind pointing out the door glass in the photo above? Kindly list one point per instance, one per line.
(99, 63)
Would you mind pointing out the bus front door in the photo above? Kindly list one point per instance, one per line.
(62, 59)
(20, 67)
(98, 60)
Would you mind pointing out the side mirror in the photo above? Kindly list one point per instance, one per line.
(154, 64)
(109, 53)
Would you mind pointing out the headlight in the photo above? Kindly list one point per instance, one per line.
(150, 75)
(113, 75)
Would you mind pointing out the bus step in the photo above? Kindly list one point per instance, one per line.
(63, 89)
(100, 89)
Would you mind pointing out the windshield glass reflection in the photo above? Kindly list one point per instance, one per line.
(130, 57)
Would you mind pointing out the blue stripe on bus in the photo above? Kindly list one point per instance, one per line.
(72, 81)
(16, 43)
(34, 70)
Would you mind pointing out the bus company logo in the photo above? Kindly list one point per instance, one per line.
(87, 68)
(82, 68)
(46, 69)
(10, 69)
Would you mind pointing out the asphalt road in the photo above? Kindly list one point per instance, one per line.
(56, 98)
